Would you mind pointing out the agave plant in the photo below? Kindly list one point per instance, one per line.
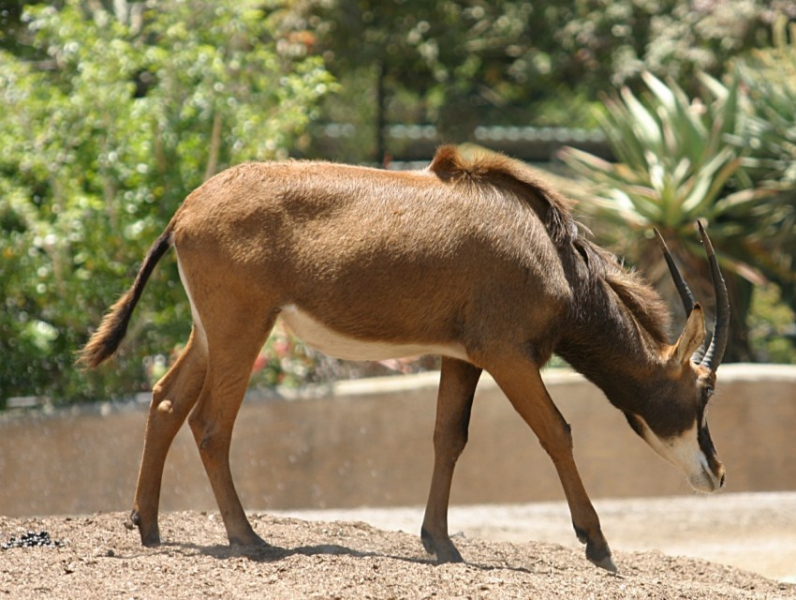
(675, 165)
(769, 76)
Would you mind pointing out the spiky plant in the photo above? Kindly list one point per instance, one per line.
(769, 76)
(675, 165)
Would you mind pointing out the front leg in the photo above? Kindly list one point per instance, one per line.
(457, 385)
(520, 380)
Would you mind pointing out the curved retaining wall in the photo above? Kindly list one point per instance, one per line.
(370, 445)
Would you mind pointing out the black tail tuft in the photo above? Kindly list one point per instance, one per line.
(106, 340)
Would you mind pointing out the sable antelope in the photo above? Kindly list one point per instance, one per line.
(475, 260)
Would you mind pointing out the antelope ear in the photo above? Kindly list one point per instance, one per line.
(691, 339)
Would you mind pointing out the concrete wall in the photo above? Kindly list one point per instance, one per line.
(370, 445)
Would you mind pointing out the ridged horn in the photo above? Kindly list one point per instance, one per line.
(682, 287)
(721, 330)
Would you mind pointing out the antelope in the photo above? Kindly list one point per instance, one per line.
(473, 259)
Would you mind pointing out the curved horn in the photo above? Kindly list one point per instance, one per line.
(682, 287)
(715, 351)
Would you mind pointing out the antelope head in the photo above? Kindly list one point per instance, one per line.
(673, 417)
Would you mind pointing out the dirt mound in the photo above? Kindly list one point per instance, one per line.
(99, 558)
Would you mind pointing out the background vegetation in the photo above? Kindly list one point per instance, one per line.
(107, 121)
(111, 112)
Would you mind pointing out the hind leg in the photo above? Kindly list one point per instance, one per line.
(233, 350)
(172, 399)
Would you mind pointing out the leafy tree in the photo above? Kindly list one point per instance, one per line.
(613, 42)
(453, 63)
(458, 63)
(102, 134)
(769, 76)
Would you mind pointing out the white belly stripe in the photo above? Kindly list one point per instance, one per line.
(199, 329)
(330, 342)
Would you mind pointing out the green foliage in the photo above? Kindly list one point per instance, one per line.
(676, 39)
(769, 75)
(458, 63)
(772, 327)
(676, 165)
(109, 117)
(101, 137)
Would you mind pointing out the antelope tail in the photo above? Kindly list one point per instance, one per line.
(105, 341)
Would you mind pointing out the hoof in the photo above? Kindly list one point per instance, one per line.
(606, 563)
(428, 542)
(448, 554)
(151, 541)
(597, 550)
(149, 536)
(444, 549)
(251, 540)
(600, 555)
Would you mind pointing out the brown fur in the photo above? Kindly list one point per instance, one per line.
(473, 258)
(490, 170)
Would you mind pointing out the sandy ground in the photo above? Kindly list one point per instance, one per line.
(334, 554)
(755, 532)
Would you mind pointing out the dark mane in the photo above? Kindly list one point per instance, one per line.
(640, 298)
(489, 168)
(590, 263)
